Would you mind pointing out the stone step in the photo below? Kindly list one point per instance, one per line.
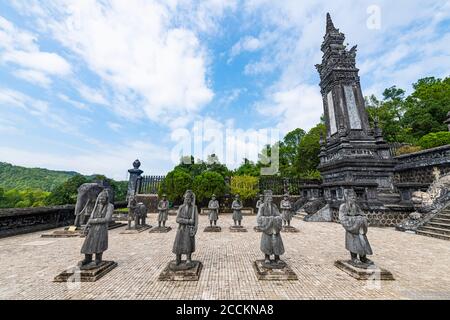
(433, 235)
(438, 224)
(440, 220)
(300, 215)
(432, 229)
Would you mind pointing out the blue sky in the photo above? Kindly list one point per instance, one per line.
(91, 85)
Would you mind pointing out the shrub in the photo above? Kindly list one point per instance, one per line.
(245, 186)
(435, 139)
(175, 185)
(407, 150)
(207, 184)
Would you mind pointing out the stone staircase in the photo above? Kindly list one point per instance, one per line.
(300, 215)
(437, 227)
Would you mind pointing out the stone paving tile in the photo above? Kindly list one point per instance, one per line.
(420, 265)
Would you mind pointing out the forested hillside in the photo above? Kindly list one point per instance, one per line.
(20, 178)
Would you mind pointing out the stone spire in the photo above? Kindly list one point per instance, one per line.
(330, 24)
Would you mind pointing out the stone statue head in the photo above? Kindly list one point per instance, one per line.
(164, 196)
(103, 197)
(213, 197)
(261, 197)
(349, 195)
(286, 196)
(189, 197)
(268, 196)
(236, 197)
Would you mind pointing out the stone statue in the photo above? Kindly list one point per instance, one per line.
(187, 219)
(141, 213)
(260, 202)
(132, 214)
(163, 208)
(437, 195)
(96, 231)
(355, 224)
(237, 213)
(86, 197)
(213, 207)
(270, 222)
(286, 210)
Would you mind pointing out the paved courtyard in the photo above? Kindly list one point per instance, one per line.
(420, 265)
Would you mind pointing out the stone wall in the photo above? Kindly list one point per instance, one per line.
(378, 218)
(19, 221)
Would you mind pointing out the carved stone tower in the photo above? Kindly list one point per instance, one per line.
(353, 155)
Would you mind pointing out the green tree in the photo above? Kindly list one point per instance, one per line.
(289, 149)
(67, 192)
(308, 151)
(427, 106)
(248, 168)
(389, 113)
(207, 184)
(245, 186)
(175, 185)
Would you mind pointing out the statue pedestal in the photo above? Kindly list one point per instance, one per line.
(160, 229)
(281, 273)
(213, 229)
(290, 229)
(181, 272)
(68, 232)
(238, 229)
(75, 274)
(114, 225)
(364, 271)
(137, 230)
(257, 229)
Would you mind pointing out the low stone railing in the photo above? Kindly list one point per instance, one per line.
(416, 171)
(20, 221)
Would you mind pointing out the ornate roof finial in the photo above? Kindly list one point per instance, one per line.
(330, 25)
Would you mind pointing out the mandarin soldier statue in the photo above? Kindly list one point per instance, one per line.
(286, 210)
(270, 222)
(237, 211)
(213, 207)
(96, 230)
(163, 208)
(187, 219)
(355, 224)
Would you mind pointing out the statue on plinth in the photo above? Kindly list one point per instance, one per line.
(163, 208)
(286, 210)
(260, 202)
(237, 211)
(356, 225)
(96, 230)
(270, 223)
(213, 207)
(132, 216)
(187, 219)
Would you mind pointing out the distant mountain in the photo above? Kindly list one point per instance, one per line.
(22, 178)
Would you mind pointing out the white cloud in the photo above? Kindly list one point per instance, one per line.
(114, 126)
(34, 76)
(20, 48)
(149, 62)
(408, 47)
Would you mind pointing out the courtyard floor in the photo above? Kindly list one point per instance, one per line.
(420, 265)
